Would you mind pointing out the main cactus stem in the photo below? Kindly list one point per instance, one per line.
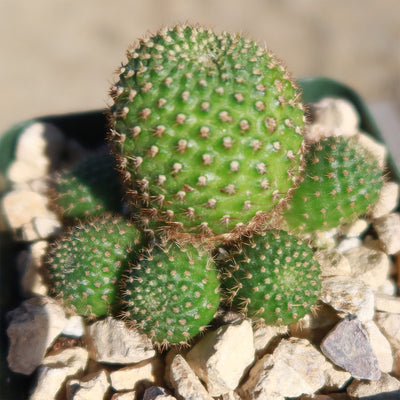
(207, 129)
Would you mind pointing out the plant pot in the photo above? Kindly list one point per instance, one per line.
(89, 129)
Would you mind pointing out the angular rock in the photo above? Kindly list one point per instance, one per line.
(40, 228)
(390, 304)
(186, 384)
(55, 371)
(389, 324)
(386, 388)
(111, 341)
(131, 395)
(348, 243)
(41, 315)
(375, 148)
(138, 377)
(389, 288)
(355, 228)
(333, 263)
(75, 327)
(348, 347)
(369, 265)
(37, 152)
(20, 207)
(294, 368)
(388, 200)
(29, 264)
(380, 346)
(264, 335)
(90, 387)
(388, 230)
(157, 393)
(348, 296)
(335, 378)
(221, 357)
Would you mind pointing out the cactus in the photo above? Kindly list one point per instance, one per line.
(207, 130)
(91, 188)
(341, 182)
(172, 293)
(272, 278)
(87, 262)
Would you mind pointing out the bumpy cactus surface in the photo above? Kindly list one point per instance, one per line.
(272, 278)
(340, 183)
(207, 129)
(172, 293)
(87, 262)
(91, 188)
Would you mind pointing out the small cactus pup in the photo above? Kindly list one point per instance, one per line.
(207, 130)
(273, 278)
(91, 188)
(341, 182)
(172, 293)
(88, 261)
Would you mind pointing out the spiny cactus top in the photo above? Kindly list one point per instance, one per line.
(172, 293)
(91, 188)
(86, 263)
(208, 129)
(273, 278)
(341, 181)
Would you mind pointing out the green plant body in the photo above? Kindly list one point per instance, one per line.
(172, 293)
(272, 278)
(207, 130)
(85, 265)
(91, 188)
(341, 182)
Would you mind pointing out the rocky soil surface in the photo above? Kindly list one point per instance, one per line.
(348, 349)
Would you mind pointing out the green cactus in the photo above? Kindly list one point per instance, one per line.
(88, 261)
(207, 130)
(272, 278)
(341, 182)
(172, 293)
(91, 188)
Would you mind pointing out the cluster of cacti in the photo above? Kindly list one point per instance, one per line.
(206, 130)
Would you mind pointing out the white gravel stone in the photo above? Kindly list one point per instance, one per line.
(90, 387)
(294, 368)
(333, 263)
(369, 265)
(348, 244)
(380, 346)
(33, 327)
(335, 378)
(389, 324)
(389, 287)
(185, 382)
(37, 152)
(111, 341)
(363, 389)
(55, 371)
(131, 395)
(355, 228)
(375, 148)
(264, 335)
(388, 230)
(336, 116)
(388, 200)
(221, 357)
(20, 207)
(390, 304)
(41, 228)
(348, 296)
(139, 376)
(29, 264)
(75, 327)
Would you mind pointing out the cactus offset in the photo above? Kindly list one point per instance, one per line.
(91, 188)
(273, 278)
(341, 182)
(87, 262)
(207, 130)
(172, 293)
